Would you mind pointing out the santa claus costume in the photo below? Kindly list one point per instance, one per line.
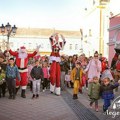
(55, 72)
(22, 58)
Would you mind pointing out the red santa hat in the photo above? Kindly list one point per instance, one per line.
(22, 47)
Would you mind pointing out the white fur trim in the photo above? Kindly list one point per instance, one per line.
(24, 87)
(57, 90)
(54, 43)
(59, 46)
(22, 63)
(63, 43)
(53, 58)
(58, 59)
(52, 87)
(25, 70)
(22, 55)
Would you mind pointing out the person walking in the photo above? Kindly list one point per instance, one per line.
(106, 91)
(76, 78)
(94, 92)
(93, 68)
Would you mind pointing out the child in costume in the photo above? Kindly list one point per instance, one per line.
(76, 78)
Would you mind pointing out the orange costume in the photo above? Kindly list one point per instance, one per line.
(55, 66)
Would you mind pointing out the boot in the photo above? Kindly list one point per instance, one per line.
(13, 97)
(91, 104)
(104, 108)
(75, 96)
(80, 90)
(17, 90)
(96, 108)
(23, 94)
(37, 96)
(33, 96)
(10, 97)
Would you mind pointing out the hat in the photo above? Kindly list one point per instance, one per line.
(22, 47)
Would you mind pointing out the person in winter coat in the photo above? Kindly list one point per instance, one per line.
(94, 92)
(12, 73)
(76, 78)
(106, 91)
(37, 75)
(93, 68)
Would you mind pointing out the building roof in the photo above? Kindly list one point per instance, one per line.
(45, 32)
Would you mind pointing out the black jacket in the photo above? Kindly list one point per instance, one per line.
(36, 72)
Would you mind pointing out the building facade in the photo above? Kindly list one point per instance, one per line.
(31, 38)
(96, 25)
(114, 35)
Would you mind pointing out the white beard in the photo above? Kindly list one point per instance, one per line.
(22, 55)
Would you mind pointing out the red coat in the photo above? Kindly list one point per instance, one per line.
(22, 63)
(56, 47)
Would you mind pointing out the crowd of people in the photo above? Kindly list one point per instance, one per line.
(57, 73)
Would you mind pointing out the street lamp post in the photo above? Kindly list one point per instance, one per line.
(8, 30)
(81, 35)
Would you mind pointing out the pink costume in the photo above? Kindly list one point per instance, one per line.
(55, 66)
(93, 69)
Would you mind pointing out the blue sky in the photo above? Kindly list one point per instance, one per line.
(55, 14)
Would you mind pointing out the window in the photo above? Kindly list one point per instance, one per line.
(70, 47)
(90, 32)
(76, 46)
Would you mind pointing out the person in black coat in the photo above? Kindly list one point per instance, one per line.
(37, 75)
(106, 92)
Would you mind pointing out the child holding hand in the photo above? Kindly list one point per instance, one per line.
(107, 93)
(93, 92)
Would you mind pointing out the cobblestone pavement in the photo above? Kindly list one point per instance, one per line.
(47, 107)
(51, 107)
(84, 99)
